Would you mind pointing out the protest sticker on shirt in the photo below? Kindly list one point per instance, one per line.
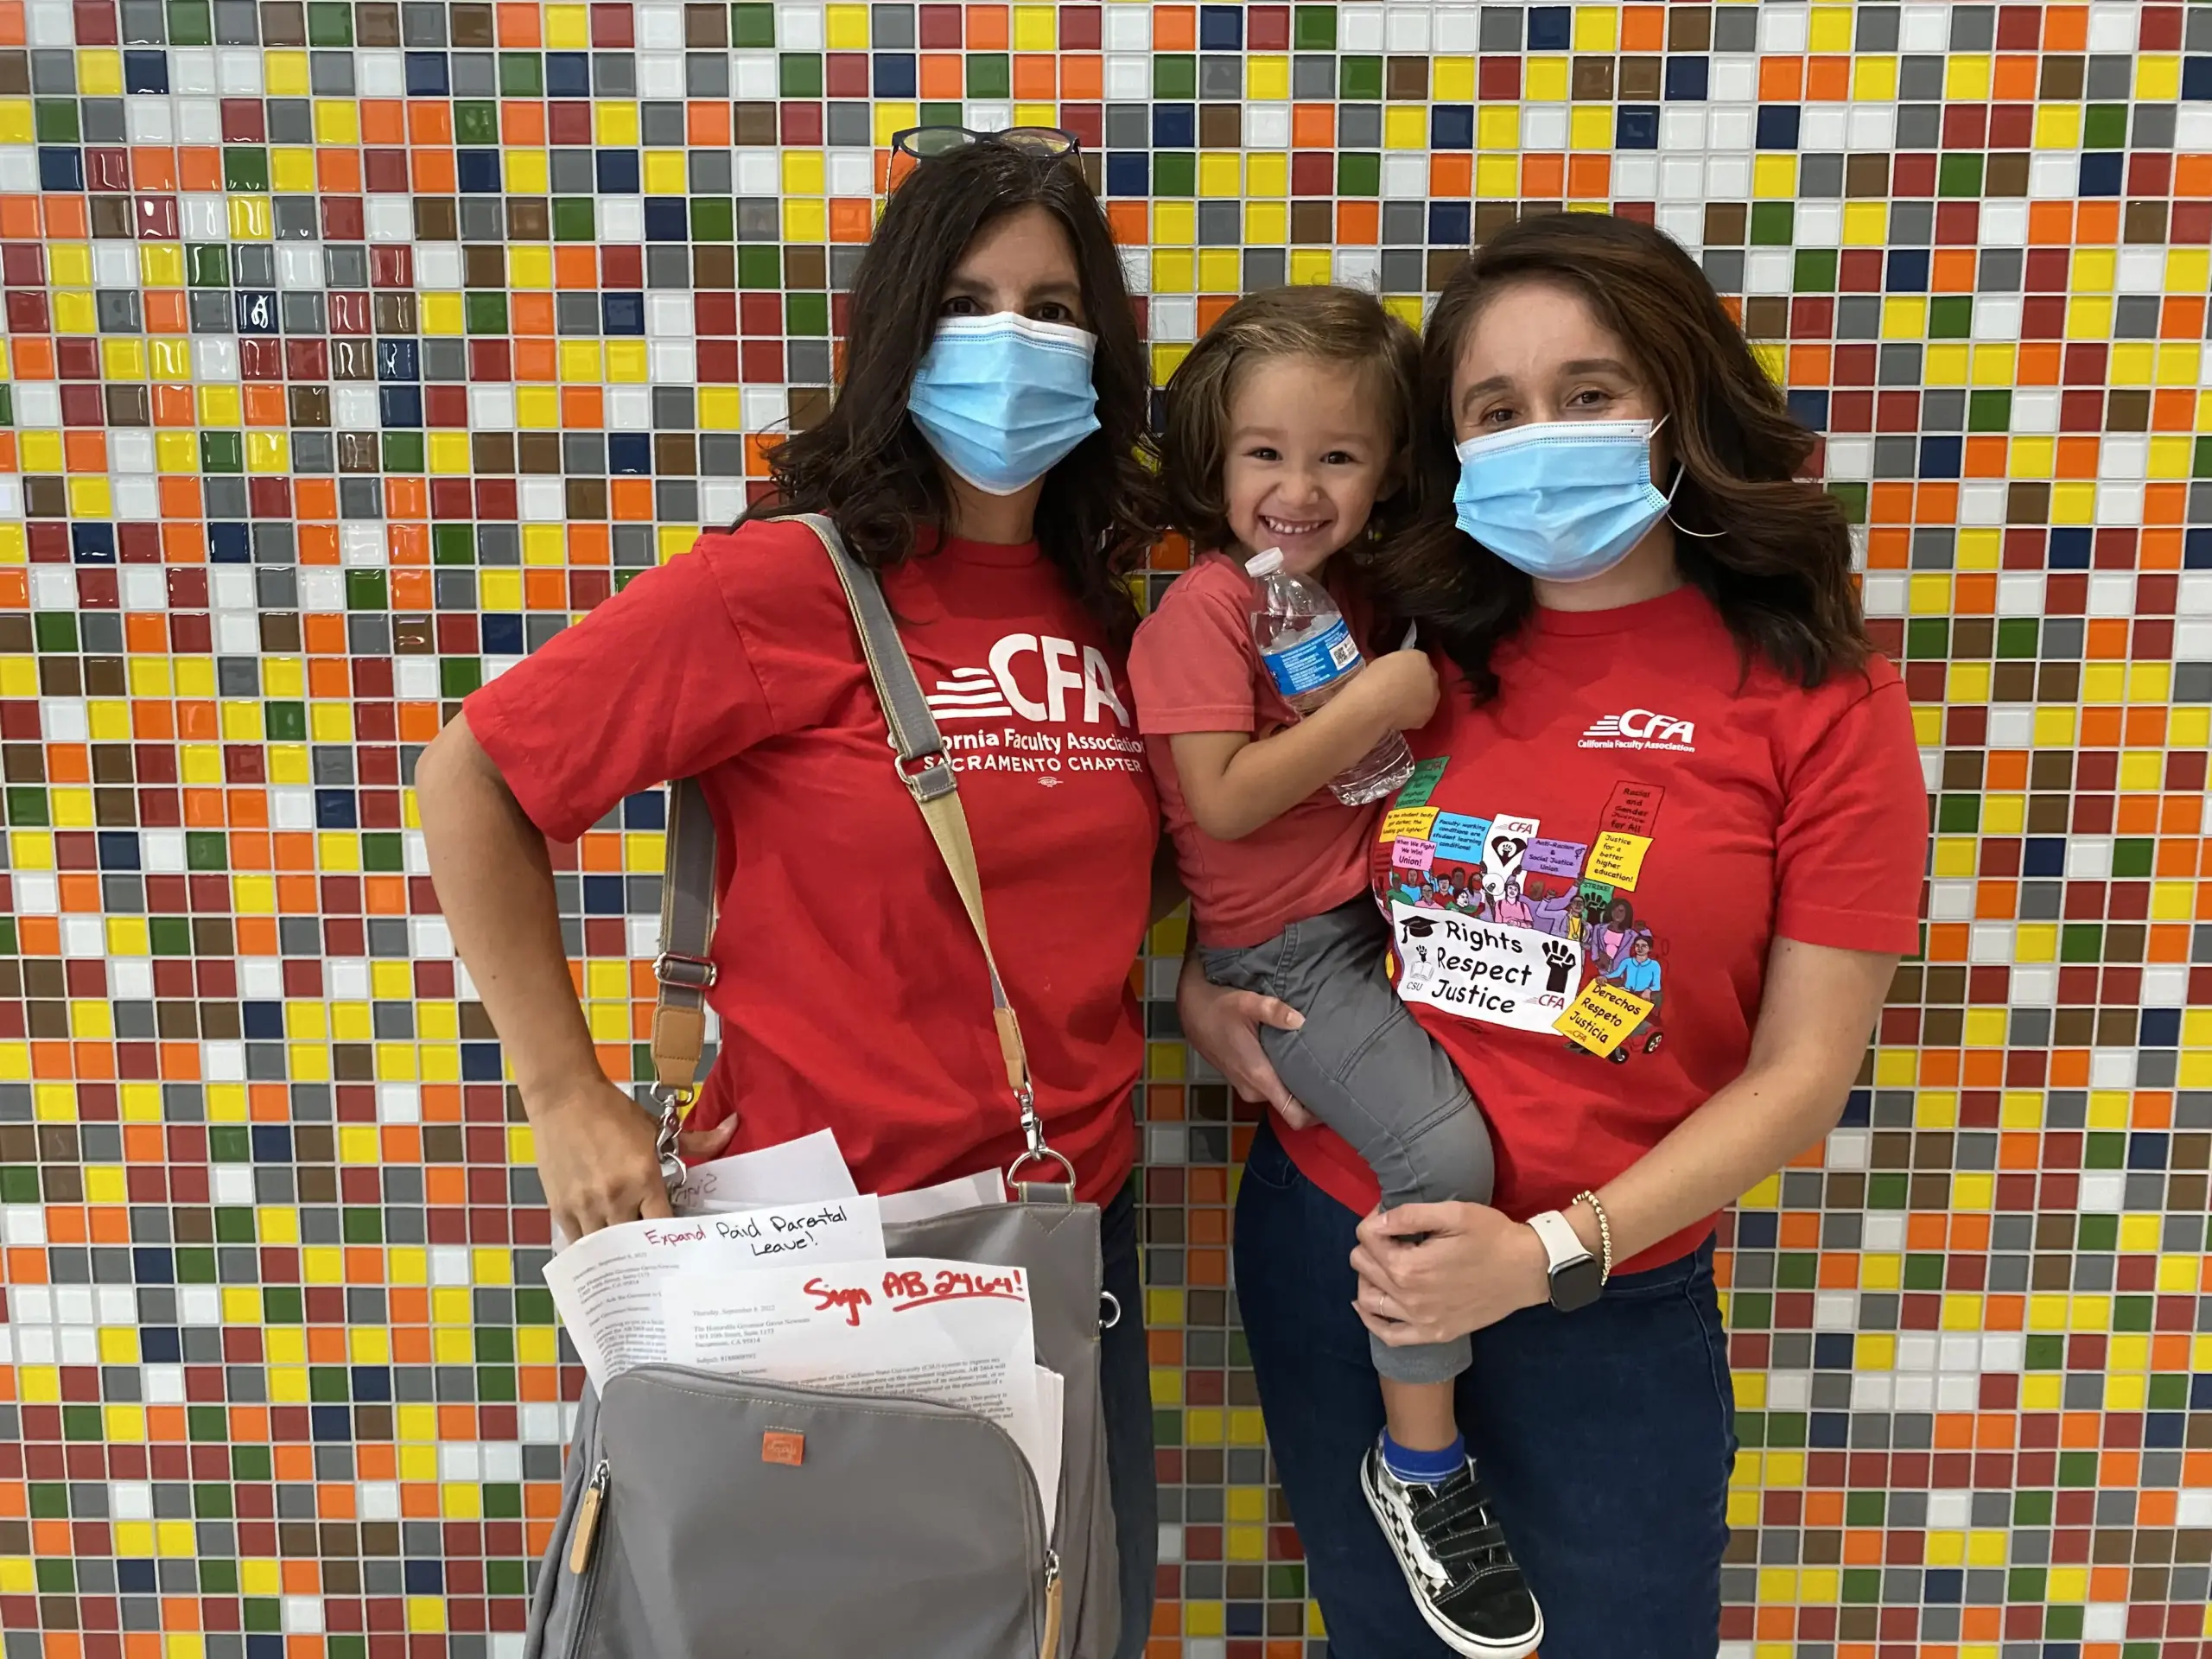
(1523, 830)
(1503, 848)
(1601, 1018)
(1406, 853)
(1634, 808)
(1460, 838)
(1422, 784)
(1618, 860)
(1560, 858)
(1407, 823)
(1513, 976)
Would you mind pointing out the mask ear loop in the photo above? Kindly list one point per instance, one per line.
(1682, 472)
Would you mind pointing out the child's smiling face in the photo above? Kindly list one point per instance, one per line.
(1309, 450)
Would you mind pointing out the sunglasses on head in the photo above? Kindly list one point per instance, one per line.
(912, 146)
(925, 143)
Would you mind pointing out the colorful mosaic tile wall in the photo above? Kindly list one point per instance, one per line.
(353, 349)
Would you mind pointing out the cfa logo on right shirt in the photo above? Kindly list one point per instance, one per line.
(1641, 728)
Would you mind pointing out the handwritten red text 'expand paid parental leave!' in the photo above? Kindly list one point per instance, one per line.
(910, 1289)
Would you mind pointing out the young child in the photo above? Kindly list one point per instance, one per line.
(1288, 427)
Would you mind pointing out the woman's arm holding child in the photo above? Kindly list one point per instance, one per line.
(1236, 784)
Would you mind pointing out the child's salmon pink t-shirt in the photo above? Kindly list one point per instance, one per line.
(851, 991)
(1625, 830)
(1195, 668)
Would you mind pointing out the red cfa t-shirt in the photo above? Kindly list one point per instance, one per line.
(1584, 876)
(1196, 669)
(852, 992)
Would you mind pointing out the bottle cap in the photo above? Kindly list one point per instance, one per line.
(1264, 563)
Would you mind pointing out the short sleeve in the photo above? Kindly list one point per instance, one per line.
(1851, 857)
(1191, 667)
(655, 684)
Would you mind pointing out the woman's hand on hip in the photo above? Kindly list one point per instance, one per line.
(1476, 1266)
(1224, 1026)
(598, 1162)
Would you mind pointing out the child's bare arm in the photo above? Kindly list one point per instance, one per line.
(1235, 784)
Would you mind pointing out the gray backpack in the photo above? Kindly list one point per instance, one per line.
(704, 1515)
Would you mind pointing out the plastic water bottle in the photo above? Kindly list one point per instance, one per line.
(1311, 655)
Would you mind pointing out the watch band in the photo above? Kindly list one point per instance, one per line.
(1563, 1245)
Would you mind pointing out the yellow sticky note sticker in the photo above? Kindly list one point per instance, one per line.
(1601, 1018)
(1616, 858)
(1407, 824)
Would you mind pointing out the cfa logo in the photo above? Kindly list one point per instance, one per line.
(997, 693)
(1641, 728)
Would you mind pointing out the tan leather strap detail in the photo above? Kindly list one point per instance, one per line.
(683, 972)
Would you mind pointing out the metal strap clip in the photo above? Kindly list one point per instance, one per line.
(673, 1173)
(695, 973)
(1036, 1152)
(927, 777)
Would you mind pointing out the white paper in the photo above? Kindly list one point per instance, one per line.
(795, 1171)
(953, 1331)
(1045, 1456)
(985, 1186)
(608, 1285)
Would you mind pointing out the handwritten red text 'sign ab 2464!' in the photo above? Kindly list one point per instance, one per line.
(910, 1288)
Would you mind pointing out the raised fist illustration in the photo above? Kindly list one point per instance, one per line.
(1560, 958)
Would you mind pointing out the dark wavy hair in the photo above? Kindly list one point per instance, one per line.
(1345, 327)
(867, 465)
(1779, 569)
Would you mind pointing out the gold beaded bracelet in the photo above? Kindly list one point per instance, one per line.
(1604, 1235)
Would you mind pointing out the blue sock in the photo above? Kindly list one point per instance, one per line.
(1424, 1468)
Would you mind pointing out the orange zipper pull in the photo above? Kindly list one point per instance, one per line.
(1055, 1594)
(586, 1526)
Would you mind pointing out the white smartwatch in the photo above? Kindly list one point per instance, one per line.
(1576, 1275)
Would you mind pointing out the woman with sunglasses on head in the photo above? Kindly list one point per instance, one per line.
(982, 455)
(1662, 689)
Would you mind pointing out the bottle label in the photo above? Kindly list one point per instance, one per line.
(1315, 662)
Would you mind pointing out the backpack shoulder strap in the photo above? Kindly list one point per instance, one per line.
(682, 970)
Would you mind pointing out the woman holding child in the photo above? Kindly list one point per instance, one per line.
(1658, 692)
(1622, 475)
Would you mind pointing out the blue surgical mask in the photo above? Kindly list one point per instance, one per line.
(1003, 398)
(1564, 501)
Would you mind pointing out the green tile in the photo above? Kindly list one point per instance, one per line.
(1359, 79)
(1814, 271)
(753, 25)
(1958, 175)
(1772, 224)
(798, 74)
(475, 121)
(990, 74)
(245, 167)
(1360, 173)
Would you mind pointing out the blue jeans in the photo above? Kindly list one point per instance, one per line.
(1606, 1436)
(1125, 1395)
